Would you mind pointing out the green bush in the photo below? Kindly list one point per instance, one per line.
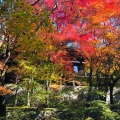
(99, 110)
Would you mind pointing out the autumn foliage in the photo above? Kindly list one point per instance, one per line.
(4, 90)
(34, 35)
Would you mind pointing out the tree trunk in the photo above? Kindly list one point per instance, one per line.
(2, 106)
(111, 94)
(28, 92)
(2, 101)
(106, 83)
(90, 79)
(2, 80)
(98, 80)
(47, 89)
(112, 84)
(16, 93)
(28, 99)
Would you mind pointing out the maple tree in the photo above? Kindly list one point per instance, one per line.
(91, 24)
(107, 34)
(83, 22)
(18, 25)
(44, 54)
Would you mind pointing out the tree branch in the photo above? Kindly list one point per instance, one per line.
(35, 3)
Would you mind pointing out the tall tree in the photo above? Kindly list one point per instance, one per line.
(84, 22)
(17, 18)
